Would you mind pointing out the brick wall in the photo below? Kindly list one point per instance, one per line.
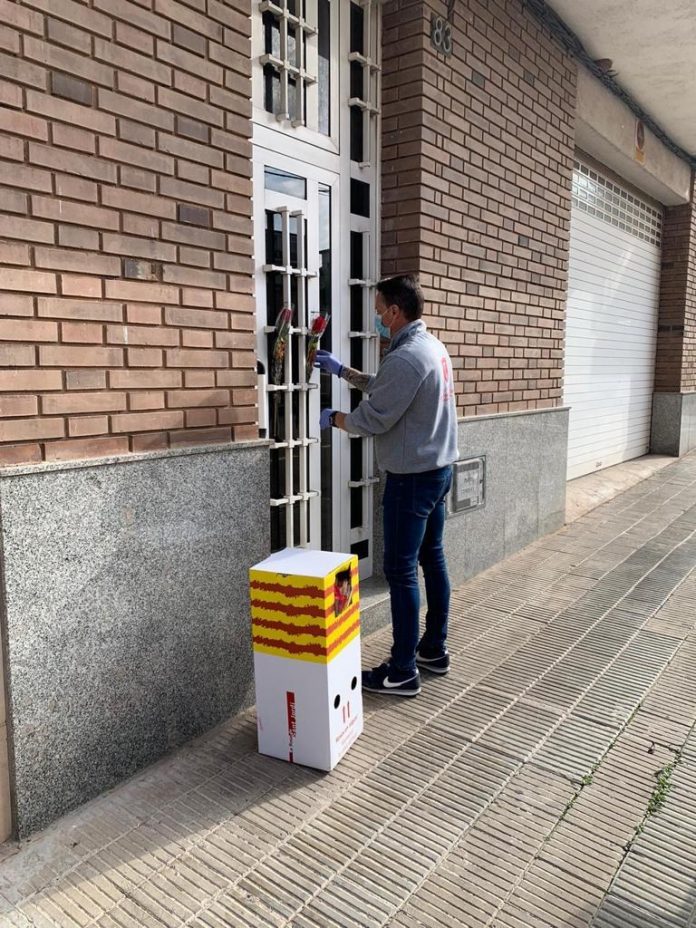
(477, 169)
(675, 362)
(126, 310)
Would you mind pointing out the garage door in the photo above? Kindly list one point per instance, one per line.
(611, 329)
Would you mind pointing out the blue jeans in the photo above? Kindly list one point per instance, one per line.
(414, 517)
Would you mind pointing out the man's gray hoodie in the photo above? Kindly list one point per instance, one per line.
(410, 410)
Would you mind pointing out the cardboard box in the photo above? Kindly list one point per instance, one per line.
(305, 611)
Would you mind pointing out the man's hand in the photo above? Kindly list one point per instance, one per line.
(328, 362)
(325, 418)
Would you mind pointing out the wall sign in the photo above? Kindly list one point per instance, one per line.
(469, 484)
(441, 34)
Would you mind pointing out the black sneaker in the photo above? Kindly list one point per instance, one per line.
(384, 679)
(434, 661)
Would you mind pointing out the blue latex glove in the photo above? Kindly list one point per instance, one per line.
(328, 362)
(324, 418)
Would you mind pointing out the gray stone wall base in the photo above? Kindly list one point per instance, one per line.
(125, 618)
(673, 429)
(526, 464)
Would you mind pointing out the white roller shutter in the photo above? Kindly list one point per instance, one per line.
(611, 326)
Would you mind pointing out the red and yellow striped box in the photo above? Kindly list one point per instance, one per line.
(305, 619)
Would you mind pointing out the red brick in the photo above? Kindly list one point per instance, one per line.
(135, 87)
(196, 338)
(15, 15)
(144, 357)
(63, 34)
(14, 253)
(234, 340)
(181, 357)
(26, 330)
(70, 260)
(10, 147)
(15, 381)
(31, 281)
(143, 379)
(28, 229)
(18, 406)
(150, 441)
(201, 437)
(89, 287)
(88, 333)
(60, 356)
(76, 188)
(174, 315)
(196, 418)
(236, 378)
(86, 448)
(85, 380)
(135, 39)
(88, 425)
(19, 123)
(19, 175)
(72, 137)
(21, 71)
(140, 292)
(19, 454)
(147, 399)
(147, 421)
(178, 398)
(199, 378)
(144, 315)
(12, 430)
(62, 403)
(77, 237)
(14, 304)
(138, 202)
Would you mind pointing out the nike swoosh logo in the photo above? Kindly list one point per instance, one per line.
(390, 685)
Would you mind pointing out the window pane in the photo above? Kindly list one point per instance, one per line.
(274, 238)
(271, 89)
(356, 79)
(284, 182)
(357, 29)
(324, 75)
(356, 256)
(356, 134)
(325, 267)
(359, 198)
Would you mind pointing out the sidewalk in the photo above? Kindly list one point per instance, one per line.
(548, 781)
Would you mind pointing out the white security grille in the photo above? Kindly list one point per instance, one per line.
(290, 428)
(316, 89)
(598, 196)
(290, 41)
(365, 79)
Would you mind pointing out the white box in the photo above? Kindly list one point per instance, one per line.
(305, 608)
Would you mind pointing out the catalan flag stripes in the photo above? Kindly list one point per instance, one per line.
(295, 617)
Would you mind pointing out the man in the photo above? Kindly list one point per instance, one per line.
(410, 411)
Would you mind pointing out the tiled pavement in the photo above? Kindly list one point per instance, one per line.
(548, 781)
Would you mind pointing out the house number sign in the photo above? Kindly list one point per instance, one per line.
(441, 34)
